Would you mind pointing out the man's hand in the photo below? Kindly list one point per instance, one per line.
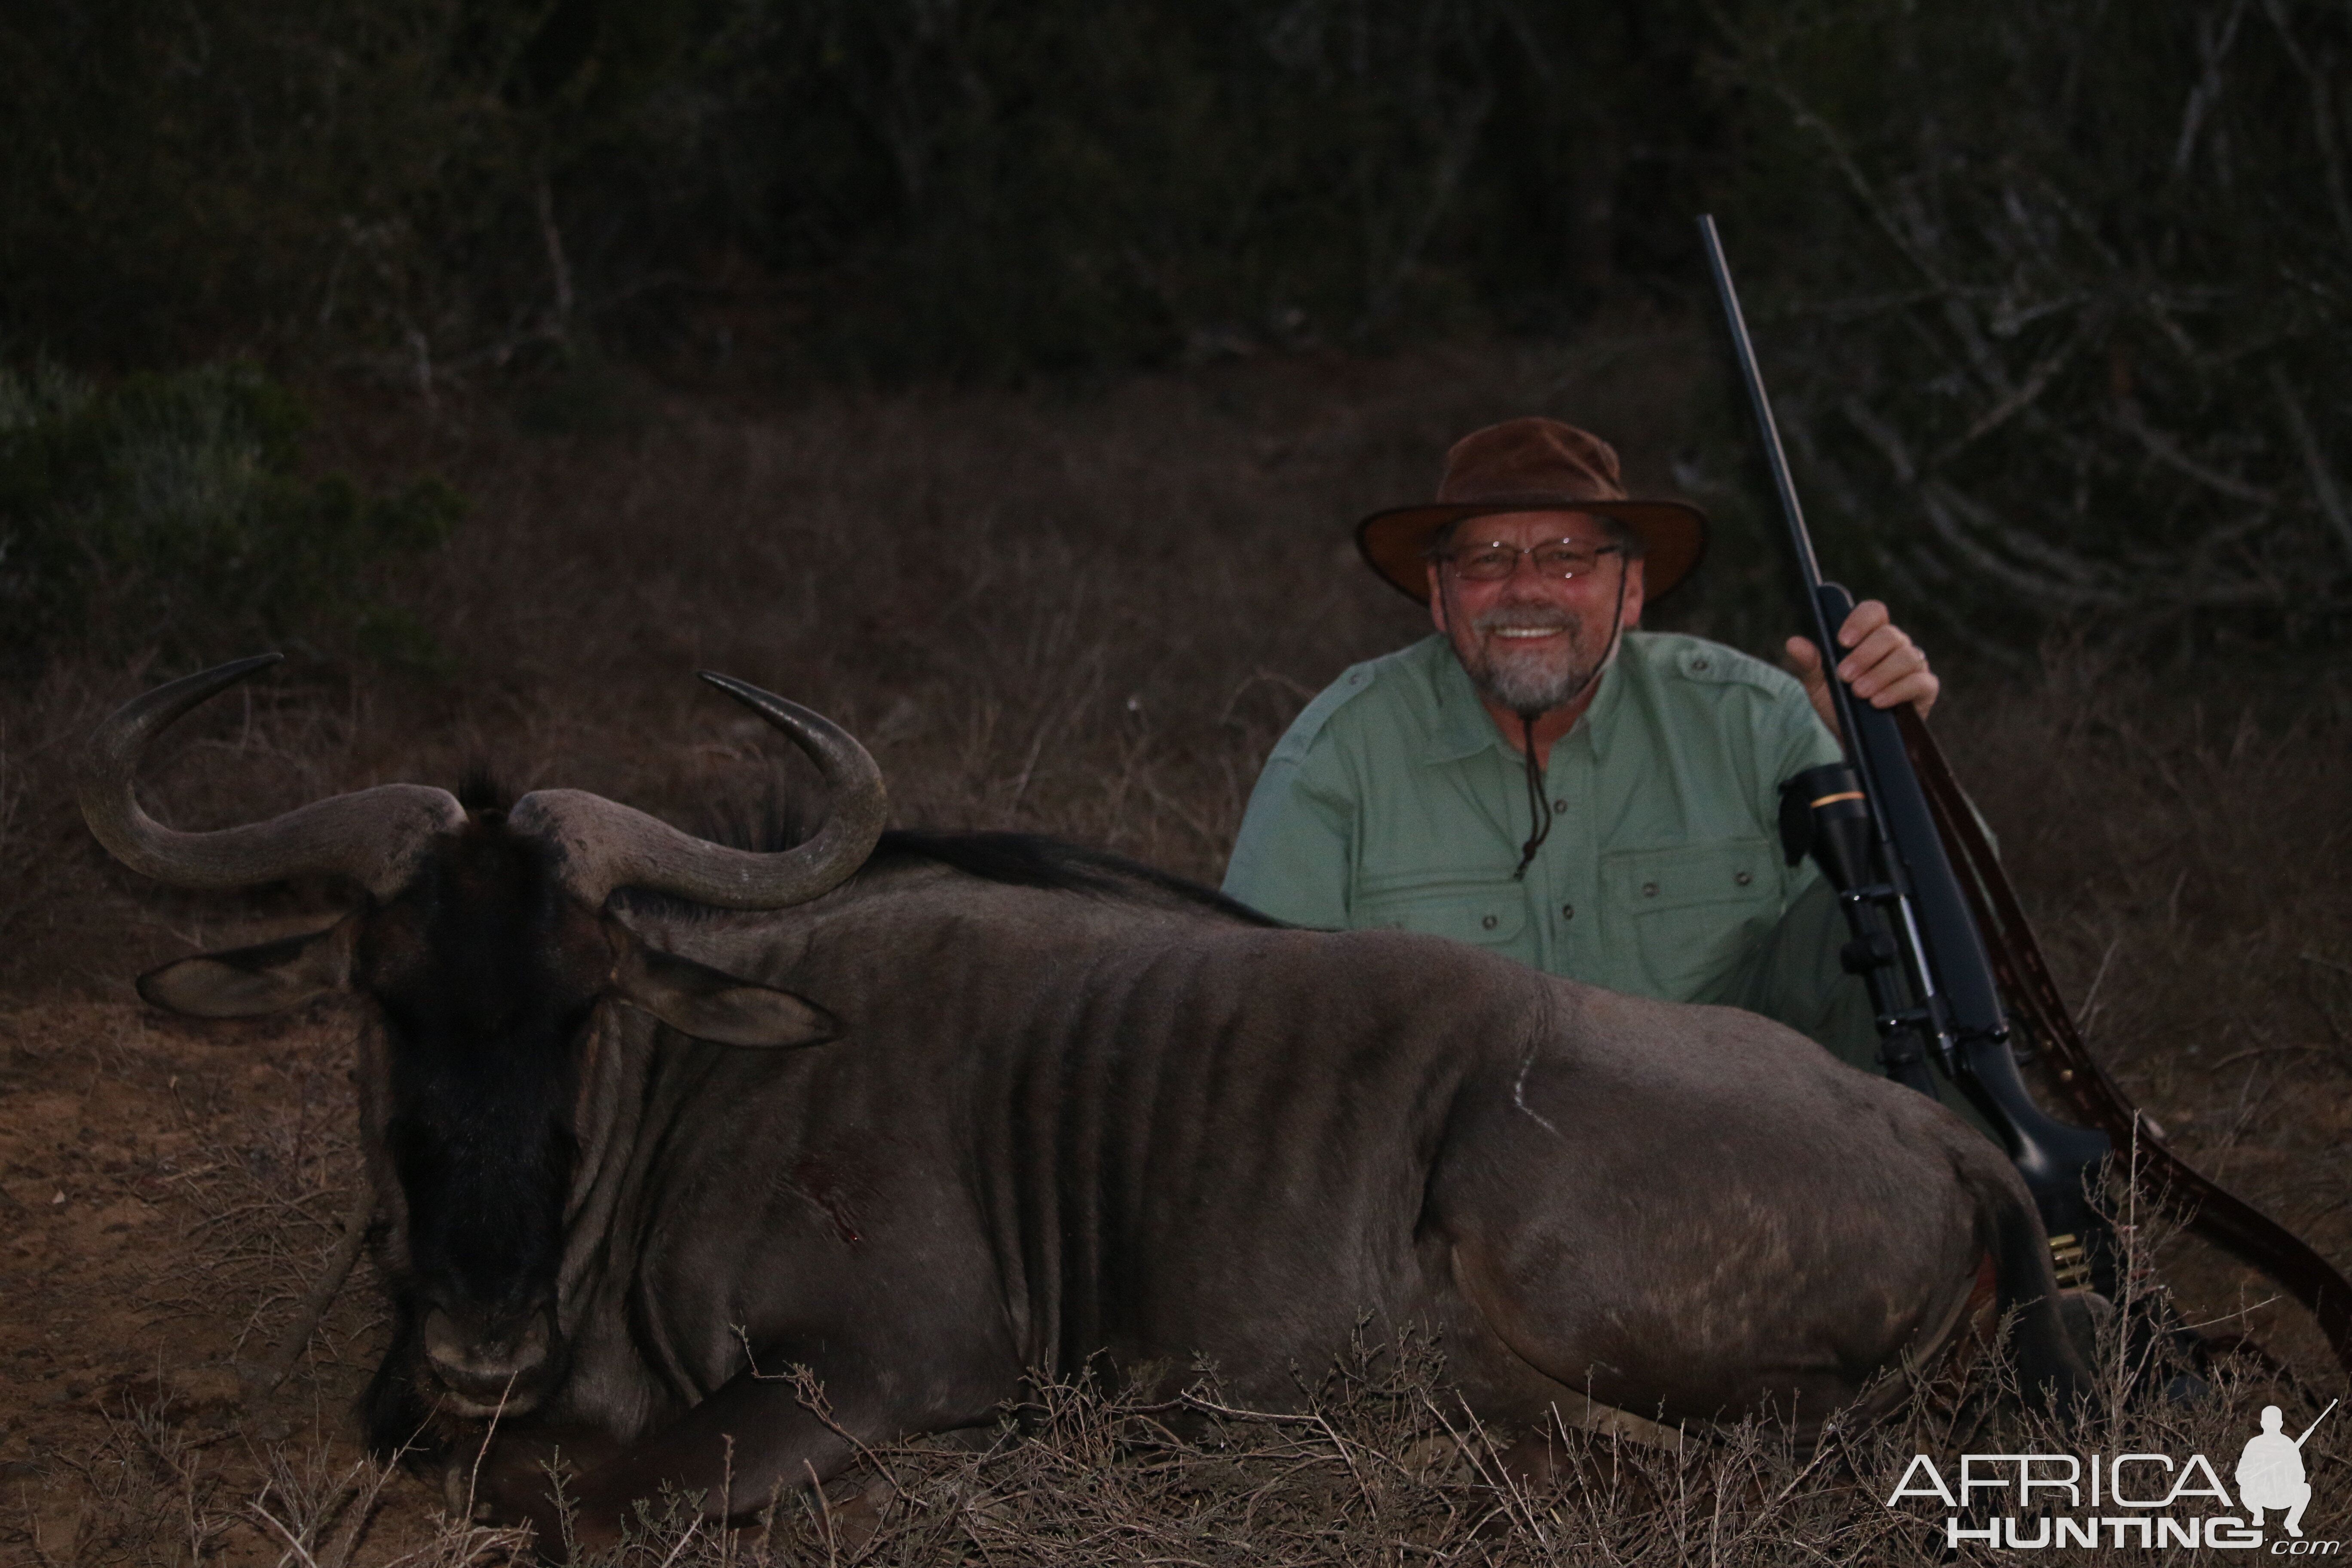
(1882, 664)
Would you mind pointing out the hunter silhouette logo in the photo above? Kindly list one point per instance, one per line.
(2270, 1471)
(2149, 1501)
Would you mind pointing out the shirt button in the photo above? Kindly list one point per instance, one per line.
(1649, 889)
(1568, 911)
(1488, 922)
(1558, 807)
(1742, 878)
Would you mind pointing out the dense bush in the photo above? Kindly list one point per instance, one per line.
(2053, 289)
(888, 186)
(2069, 328)
(168, 512)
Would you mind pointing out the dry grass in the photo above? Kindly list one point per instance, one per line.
(1088, 612)
(1383, 1467)
(2182, 843)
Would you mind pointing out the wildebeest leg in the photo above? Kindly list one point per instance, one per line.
(503, 1473)
(394, 1417)
(2049, 1366)
(751, 1436)
(1685, 1258)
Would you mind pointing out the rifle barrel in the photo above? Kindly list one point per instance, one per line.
(1751, 375)
(1941, 949)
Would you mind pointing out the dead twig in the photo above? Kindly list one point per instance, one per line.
(259, 1384)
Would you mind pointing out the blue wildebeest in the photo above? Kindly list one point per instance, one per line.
(928, 1117)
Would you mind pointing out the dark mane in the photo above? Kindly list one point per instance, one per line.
(480, 788)
(1033, 860)
(781, 818)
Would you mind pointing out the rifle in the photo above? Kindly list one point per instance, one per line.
(1941, 950)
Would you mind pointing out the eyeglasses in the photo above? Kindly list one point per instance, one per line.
(1494, 561)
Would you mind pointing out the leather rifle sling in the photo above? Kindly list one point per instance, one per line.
(2206, 1209)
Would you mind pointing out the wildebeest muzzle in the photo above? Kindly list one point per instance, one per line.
(490, 1364)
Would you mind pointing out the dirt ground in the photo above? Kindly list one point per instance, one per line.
(170, 1192)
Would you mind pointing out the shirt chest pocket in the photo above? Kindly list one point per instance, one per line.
(1485, 917)
(1695, 910)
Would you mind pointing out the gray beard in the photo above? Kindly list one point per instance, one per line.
(1531, 682)
(1524, 690)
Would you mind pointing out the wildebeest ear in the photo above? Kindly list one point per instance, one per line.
(711, 1005)
(247, 982)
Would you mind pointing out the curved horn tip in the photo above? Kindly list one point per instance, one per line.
(236, 670)
(727, 683)
(754, 697)
(237, 667)
(161, 706)
(179, 695)
(220, 676)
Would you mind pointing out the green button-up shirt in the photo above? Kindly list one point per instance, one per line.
(1395, 801)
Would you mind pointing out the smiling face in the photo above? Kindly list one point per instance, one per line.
(1532, 641)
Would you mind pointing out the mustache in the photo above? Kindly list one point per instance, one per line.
(1547, 618)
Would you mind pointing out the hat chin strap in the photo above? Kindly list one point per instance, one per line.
(1538, 810)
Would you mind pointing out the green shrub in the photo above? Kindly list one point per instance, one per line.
(169, 511)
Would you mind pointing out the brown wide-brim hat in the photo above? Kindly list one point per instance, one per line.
(1532, 465)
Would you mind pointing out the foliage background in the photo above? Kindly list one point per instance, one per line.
(2053, 293)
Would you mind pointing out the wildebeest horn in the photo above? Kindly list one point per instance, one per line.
(370, 836)
(607, 846)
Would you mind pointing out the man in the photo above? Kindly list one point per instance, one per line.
(2270, 1472)
(1543, 780)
